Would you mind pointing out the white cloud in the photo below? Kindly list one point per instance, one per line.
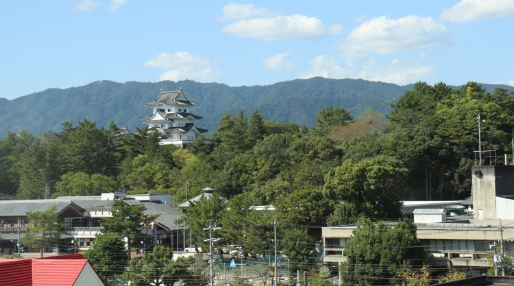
(325, 66)
(116, 5)
(476, 10)
(510, 82)
(277, 62)
(281, 28)
(387, 36)
(86, 5)
(398, 75)
(244, 11)
(181, 66)
(399, 71)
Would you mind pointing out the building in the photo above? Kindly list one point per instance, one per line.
(68, 270)
(82, 216)
(172, 117)
(459, 241)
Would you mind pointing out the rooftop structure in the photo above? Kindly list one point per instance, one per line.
(172, 118)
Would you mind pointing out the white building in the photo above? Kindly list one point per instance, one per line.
(172, 118)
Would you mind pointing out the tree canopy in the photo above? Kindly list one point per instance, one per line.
(44, 229)
(377, 252)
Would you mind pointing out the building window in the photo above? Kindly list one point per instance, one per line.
(185, 110)
(179, 110)
(335, 242)
(169, 110)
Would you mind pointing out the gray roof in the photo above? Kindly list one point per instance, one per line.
(429, 211)
(170, 116)
(21, 207)
(170, 98)
(197, 198)
(183, 129)
(168, 214)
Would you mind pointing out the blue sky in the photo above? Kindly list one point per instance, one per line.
(61, 44)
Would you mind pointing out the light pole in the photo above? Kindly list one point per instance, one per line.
(479, 140)
(275, 242)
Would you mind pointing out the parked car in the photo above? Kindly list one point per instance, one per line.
(192, 249)
(232, 249)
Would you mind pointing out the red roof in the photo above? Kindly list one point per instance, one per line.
(52, 271)
(56, 272)
(16, 272)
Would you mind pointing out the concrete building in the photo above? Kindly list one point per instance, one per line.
(460, 241)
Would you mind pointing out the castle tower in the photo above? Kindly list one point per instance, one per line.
(173, 119)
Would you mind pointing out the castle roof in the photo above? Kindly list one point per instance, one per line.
(162, 117)
(176, 97)
(183, 129)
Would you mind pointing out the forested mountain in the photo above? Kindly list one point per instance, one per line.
(123, 103)
(297, 101)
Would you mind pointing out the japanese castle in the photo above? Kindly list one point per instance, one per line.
(173, 119)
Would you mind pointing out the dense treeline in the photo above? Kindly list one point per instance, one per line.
(342, 169)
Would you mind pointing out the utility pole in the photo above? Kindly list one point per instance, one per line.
(275, 241)
(19, 237)
(211, 228)
(501, 249)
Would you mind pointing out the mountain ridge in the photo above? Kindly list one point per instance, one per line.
(104, 101)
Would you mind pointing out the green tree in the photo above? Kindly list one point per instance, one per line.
(368, 188)
(329, 117)
(87, 149)
(245, 226)
(305, 207)
(297, 245)
(12, 149)
(377, 252)
(37, 169)
(127, 220)
(198, 214)
(158, 267)
(81, 184)
(107, 255)
(43, 229)
(256, 129)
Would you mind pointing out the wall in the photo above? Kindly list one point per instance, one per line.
(504, 208)
(484, 191)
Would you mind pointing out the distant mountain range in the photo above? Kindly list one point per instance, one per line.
(104, 101)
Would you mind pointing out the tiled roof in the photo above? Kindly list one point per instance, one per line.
(170, 117)
(98, 209)
(21, 207)
(168, 214)
(170, 98)
(184, 129)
